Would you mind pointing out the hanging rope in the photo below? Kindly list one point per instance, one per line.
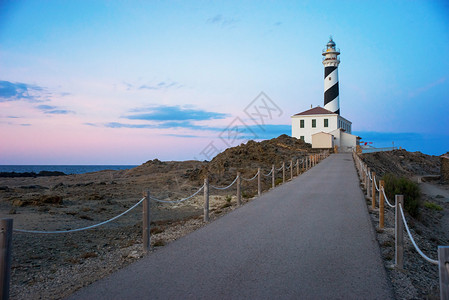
(432, 261)
(386, 199)
(226, 187)
(180, 200)
(251, 178)
(84, 228)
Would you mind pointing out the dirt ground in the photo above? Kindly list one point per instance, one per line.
(418, 279)
(52, 266)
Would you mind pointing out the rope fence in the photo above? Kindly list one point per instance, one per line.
(83, 228)
(432, 261)
(226, 187)
(251, 179)
(180, 200)
(7, 229)
(367, 177)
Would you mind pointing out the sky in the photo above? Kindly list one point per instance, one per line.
(123, 82)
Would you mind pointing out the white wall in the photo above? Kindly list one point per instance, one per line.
(308, 131)
(322, 140)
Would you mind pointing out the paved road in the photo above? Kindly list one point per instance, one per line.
(310, 238)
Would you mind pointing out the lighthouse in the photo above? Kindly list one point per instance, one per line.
(324, 127)
(331, 62)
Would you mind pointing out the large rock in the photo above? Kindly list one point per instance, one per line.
(444, 170)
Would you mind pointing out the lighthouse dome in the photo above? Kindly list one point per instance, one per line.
(331, 43)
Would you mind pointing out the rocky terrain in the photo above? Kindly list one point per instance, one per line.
(52, 266)
(419, 279)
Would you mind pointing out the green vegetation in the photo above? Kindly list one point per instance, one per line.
(248, 194)
(278, 181)
(228, 198)
(403, 186)
(433, 206)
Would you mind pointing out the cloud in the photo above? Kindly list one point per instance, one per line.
(160, 125)
(49, 109)
(161, 85)
(183, 135)
(15, 91)
(174, 113)
(45, 107)
(423, 89)
(267, 131)
(122, 125)
(222, 21)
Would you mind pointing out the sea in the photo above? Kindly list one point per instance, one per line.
(67, 169)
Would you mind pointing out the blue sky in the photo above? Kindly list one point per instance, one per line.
(122, 82)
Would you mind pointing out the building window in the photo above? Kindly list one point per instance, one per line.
(326, 122)
(302, 137)
(313, 123)
(301, 124)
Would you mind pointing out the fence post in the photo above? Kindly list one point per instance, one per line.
(146, 225)
(373, 190)
(239, 194)
(368, 183)
(259, 188)
(381, 204)
(206, 199)
(273, 176)
(399, 232)
(297, 167)
(363, 175)
(283, 172)
(5, 259)
(443, 266)
(291, 169)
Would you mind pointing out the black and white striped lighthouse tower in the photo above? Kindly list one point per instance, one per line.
(331, 62)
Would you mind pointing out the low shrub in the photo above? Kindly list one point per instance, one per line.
(433, 206)
(278, 181)
(403, 186)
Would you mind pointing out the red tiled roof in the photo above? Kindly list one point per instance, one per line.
(316, 111)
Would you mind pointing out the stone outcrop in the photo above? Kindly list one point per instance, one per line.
(444, 168)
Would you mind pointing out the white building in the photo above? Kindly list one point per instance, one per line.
(315, 120)
(325, 127)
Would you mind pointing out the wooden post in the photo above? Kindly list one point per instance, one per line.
(443, 267)
(373, 191)
(297, 167)
(146, 225)
(381, 205)
(303, 164)
(239, 193)
(399, 233)
(368, 183)
(364, 176)
(283, 172)
(6, 256)
(291, 169)
(259, 187)
(273, 176)
(206, 199)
